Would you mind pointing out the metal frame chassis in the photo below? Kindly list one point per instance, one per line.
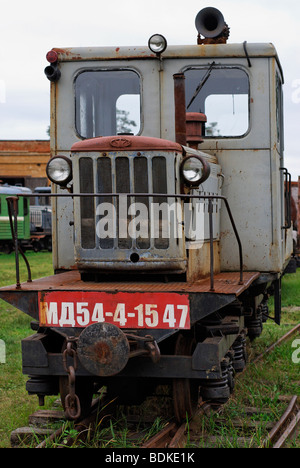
(203, 364)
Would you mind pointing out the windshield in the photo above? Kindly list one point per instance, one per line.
(107, 103)
(223, 95)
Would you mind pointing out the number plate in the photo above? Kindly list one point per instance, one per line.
(125, 310)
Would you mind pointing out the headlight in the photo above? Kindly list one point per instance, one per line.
(59, 170)
(194, 170)
(157, 43)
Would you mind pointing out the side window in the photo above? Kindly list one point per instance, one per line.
(223, 95)
(107, 103)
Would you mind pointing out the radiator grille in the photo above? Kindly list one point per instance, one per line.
(122, 174)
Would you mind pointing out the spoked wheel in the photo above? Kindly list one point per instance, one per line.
(185, 391)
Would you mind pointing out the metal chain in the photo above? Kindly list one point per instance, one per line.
(72, 402)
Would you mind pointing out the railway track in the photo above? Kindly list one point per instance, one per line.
(285, 427)
(244, 431)
(172, 436)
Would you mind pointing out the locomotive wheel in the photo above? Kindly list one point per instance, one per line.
(185, 391)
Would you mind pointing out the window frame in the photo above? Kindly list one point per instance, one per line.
(107, 69)
(225, 67)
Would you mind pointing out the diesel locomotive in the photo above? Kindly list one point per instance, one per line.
(171, 227)
(33, 222)
(6, 236)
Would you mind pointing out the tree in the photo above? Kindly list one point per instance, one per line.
(124, 124)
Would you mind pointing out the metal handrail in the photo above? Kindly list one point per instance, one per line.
(287, 197)
(12, 203)
(210, 198)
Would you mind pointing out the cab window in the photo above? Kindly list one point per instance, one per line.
(107, 102)
(223, 95)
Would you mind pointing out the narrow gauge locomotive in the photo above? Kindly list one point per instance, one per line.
(33, 220)
(171, 227)
(6, 235)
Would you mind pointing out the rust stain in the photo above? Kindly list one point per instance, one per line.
(135, 143)
(66, 53)
(43, 313)
(102, 352)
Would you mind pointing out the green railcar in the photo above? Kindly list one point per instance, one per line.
(6, 240)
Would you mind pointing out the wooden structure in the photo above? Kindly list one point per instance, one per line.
(24, 162)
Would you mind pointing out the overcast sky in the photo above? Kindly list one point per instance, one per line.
(28, 29)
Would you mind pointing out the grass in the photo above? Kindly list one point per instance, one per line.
(259, 387)
(263, 384)
(15, 404)
(262, 388)
(291, 290)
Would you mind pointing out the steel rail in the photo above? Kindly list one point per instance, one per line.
(163, 437)
(174, 434)
(288, 432)
(280, 424)
(277, 343)
(82, 424)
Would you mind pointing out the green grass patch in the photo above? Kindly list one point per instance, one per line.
(291, 290)
(40, 264)
(15, 404)
(262, 386)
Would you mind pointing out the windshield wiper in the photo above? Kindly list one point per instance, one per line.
(201, 84)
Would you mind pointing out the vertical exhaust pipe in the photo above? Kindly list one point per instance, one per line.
(180, 108)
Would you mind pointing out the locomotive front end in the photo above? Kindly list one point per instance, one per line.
(166, 247)
(123, 232)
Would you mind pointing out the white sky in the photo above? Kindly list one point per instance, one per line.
(28, 29)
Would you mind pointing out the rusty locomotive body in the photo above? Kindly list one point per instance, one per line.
(170, 226)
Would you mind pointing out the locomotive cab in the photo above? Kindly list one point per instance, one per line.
(108, 92)
(171, 225)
